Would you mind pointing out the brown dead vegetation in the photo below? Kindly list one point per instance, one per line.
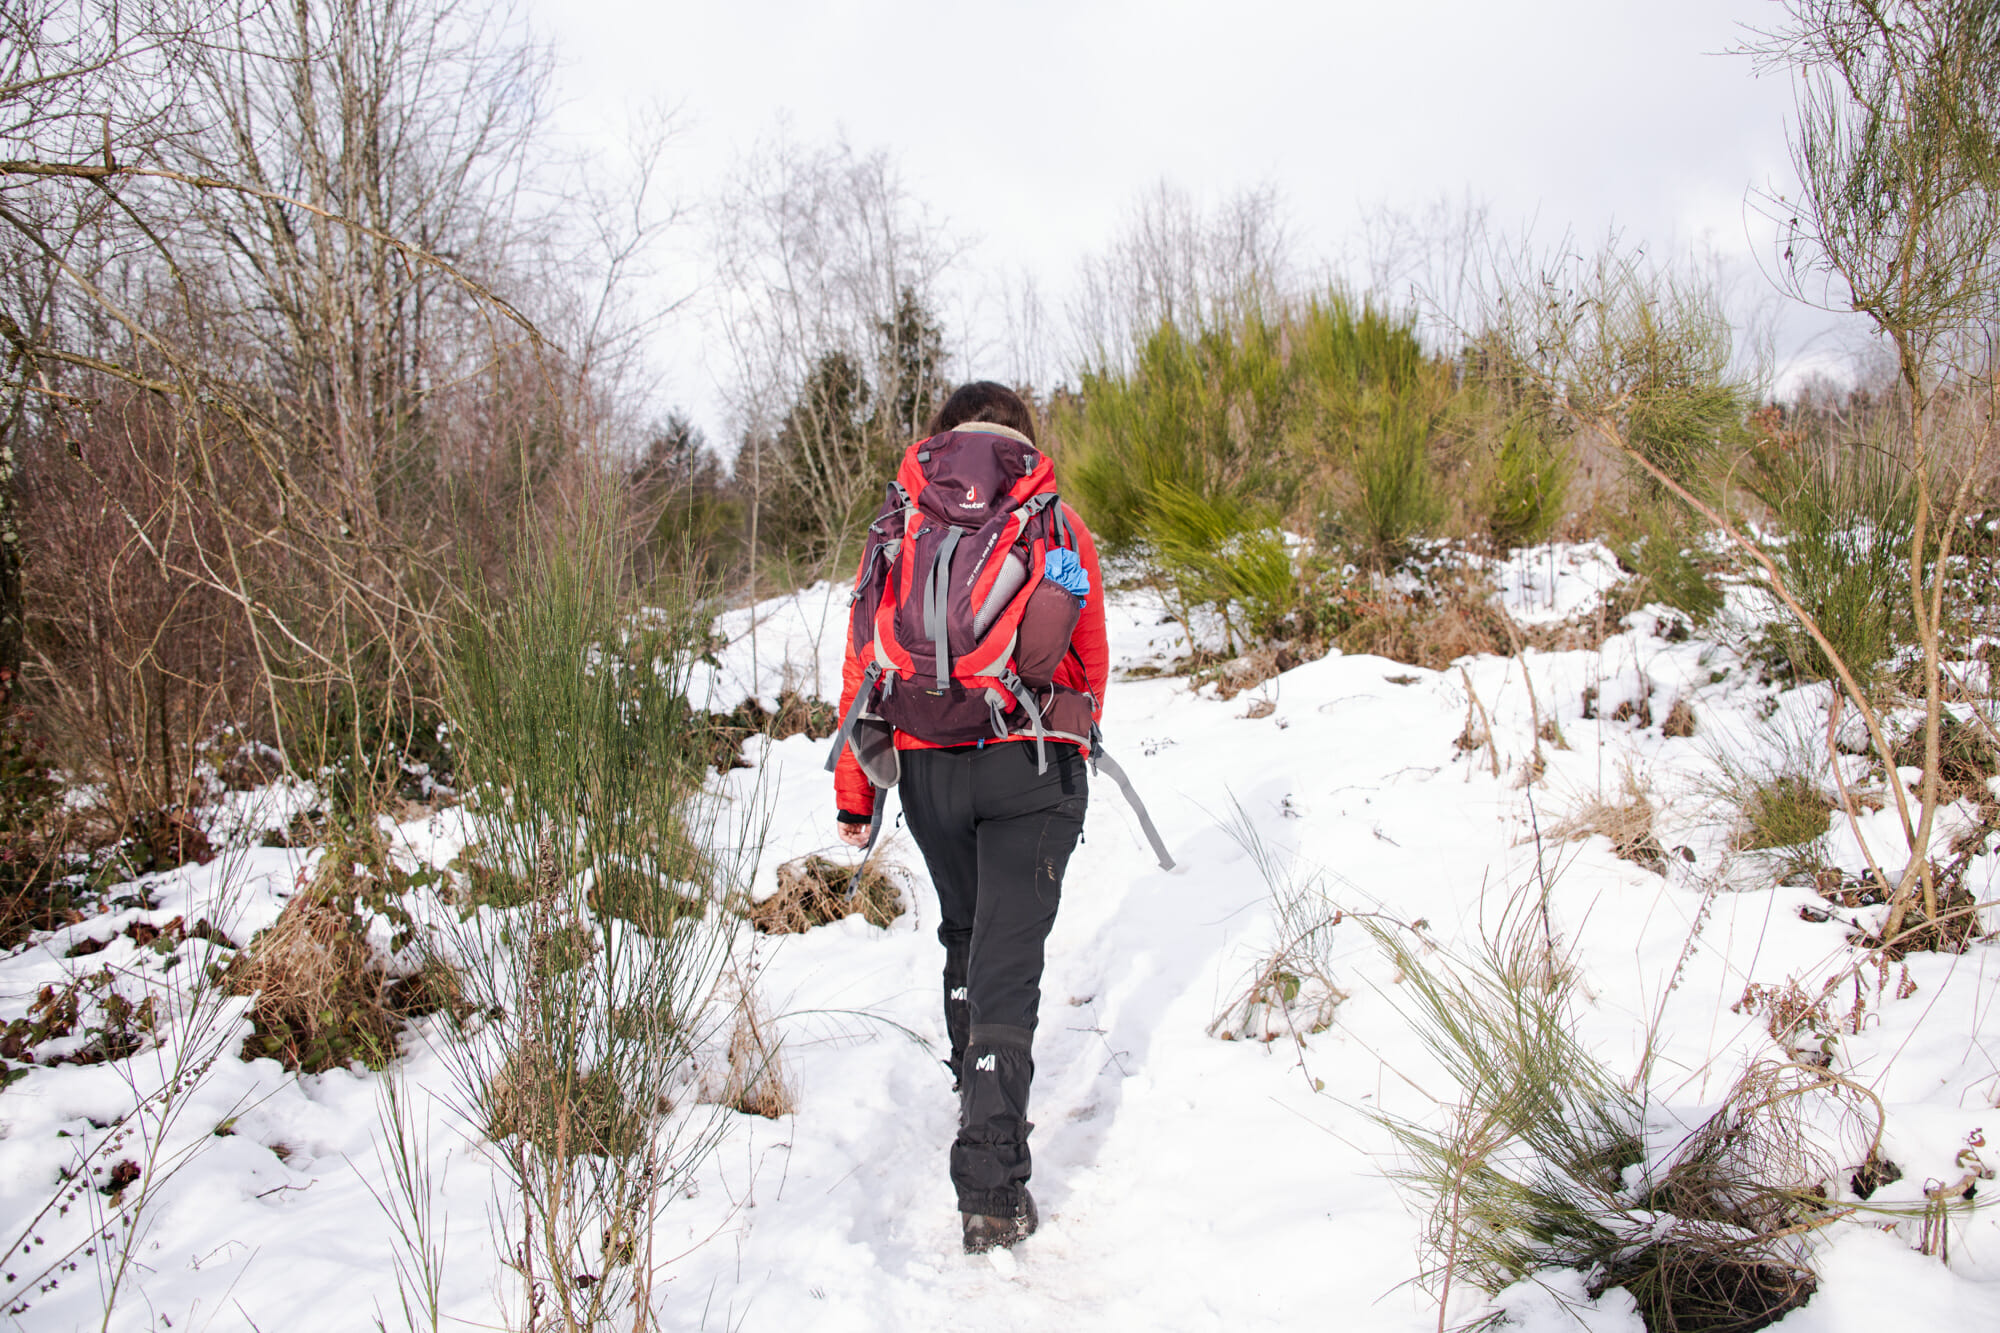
(324, 997)
(797, 715)
(755, 1082)
(564, 1112)
(319, 991)
(1625, 818)
(1952, 930)
(1433, 629)
(815, 890)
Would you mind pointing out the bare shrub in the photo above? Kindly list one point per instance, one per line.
(815, 890)
(136, 667)
(1452, 617)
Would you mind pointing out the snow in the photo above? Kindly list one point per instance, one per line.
(1184, 1182)
(1544, 584)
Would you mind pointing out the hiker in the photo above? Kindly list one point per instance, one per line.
(987, 749)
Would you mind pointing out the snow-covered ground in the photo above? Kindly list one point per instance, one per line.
(1185, 1182)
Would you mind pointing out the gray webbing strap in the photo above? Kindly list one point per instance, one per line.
(879, 564)
(1026, 698)
(874, 832)
(868, 679)
(937, 596)
(1100, 759)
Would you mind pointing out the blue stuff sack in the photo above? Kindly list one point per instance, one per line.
(1062, 568)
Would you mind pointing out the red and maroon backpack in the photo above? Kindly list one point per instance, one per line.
(953, 613)
(950, 569)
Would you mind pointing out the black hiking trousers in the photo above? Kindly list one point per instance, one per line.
(997, 837)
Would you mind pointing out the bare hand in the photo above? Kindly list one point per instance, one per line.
(854, 835)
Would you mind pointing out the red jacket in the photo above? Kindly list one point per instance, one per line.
(855, 795)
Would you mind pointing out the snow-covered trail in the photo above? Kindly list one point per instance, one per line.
(1184, 1182)
(1164, 1203)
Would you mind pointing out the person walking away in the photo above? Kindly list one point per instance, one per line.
(974, 681)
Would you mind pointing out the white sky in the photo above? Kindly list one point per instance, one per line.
(1032, 127)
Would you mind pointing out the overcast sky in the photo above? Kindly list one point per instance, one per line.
(1031, 128)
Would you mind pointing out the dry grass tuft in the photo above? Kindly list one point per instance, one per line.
(1783, 811)
(1432, 629)
(797, 715)
(1290, 991)
(1288, 995)
(756, 1083)
(1626, 819)
(1679, 722)
(1246, 672)
(815, 890)
(321, 1000)
(324, 997)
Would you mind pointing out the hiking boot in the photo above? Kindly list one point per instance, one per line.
(984, 1232)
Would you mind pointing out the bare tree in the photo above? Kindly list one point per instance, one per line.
(1177, 263)
(284, 232)
(1899, 214)
(828, 273)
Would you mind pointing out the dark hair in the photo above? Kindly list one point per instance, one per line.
(983, 400)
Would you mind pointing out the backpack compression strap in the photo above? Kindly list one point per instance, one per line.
(1111, 766)
(937, 597)
(1026, 698)
(1063, 532)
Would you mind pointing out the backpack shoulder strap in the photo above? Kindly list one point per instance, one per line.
(1063, 532)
